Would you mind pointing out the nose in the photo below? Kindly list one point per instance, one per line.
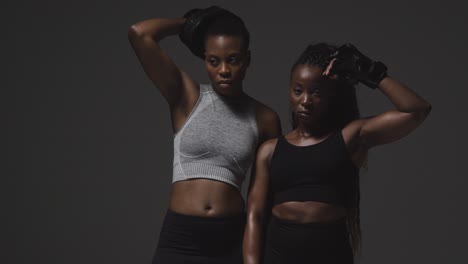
(224, 70)
(306, 100)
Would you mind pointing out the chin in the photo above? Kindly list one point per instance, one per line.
(307, 120)
(227, 91)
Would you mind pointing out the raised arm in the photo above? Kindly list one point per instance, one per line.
(410, 108)
(410, 111)
(179, 90)
(257, 204)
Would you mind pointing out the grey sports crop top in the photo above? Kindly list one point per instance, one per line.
(218, 140)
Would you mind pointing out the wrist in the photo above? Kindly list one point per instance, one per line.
(384, 81)
(376, 72)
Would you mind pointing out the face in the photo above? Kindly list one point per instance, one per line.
(226, 62)
(310, 93)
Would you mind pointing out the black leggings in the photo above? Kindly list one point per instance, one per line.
(206, 240)
(321, 243)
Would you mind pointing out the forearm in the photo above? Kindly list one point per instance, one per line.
(351, 62)
(252, 240)
(404, 99)
(157, 28)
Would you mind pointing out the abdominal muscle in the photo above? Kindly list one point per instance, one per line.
(203, 197)
(308, 212)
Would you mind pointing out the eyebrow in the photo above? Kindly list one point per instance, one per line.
(235, 53)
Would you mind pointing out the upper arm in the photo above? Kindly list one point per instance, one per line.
(410, 111)
(258, 189)
(176, 86)
(387, 127)
(268, 123)
(269, 127)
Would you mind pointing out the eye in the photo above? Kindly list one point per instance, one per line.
(316, 91)
(233, 60)
(297, 90)
(213, 62)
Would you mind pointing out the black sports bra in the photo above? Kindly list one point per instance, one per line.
(322, 172)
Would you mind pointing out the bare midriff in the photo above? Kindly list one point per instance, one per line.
(308, 212)
(203, 197)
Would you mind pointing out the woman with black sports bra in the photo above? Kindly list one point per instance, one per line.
(308, 178)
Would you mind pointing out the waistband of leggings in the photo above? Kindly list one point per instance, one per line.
(333, 223)
(239, 217)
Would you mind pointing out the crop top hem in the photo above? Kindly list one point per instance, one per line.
(313, 194)
(209, 177)
(207, 171)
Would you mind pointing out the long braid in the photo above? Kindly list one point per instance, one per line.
(345, 110)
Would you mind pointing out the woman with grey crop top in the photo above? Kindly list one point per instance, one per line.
(217, 128)
(311, 173)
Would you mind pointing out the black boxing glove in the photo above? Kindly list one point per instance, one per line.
(191, 12)
(193, 31)
(353, 66)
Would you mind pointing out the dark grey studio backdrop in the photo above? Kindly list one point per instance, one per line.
(90, 146)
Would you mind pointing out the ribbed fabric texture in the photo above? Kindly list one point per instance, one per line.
(218, 140)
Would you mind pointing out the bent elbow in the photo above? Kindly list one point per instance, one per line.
(138, 31)
(426, 111)
(421, 114)
(134, 32)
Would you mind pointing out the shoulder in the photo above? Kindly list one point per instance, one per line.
(266, 149)
(265, 113)
(353, 129)
(268, 121)
(356, 145)
(352, 134)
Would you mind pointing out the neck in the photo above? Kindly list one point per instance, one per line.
(313, 130)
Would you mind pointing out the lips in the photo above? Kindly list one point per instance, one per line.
(225, 83)
(304, 114)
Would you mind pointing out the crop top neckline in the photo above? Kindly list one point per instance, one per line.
(330, 135)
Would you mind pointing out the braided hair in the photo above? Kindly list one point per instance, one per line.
(343, 109)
